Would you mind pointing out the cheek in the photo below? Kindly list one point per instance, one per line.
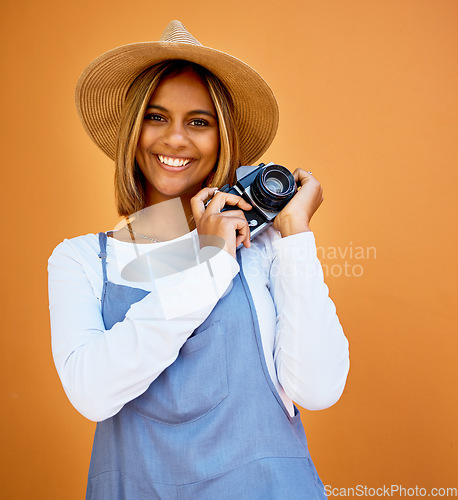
(212, 146)
(139, 156)
(144, 141)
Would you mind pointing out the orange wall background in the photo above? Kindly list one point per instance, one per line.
(368, 98)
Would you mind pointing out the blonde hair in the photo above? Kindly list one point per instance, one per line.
(129, 180)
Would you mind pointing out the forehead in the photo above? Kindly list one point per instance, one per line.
(187, 87)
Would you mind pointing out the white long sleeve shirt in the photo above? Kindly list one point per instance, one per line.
(304, 345)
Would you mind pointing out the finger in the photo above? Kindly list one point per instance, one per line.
(245, 239)
(239, 214)
(221, 199)
(205, 193)
(239, 225)
(198, 202)
(243, 230)
(300, 176)
(307, 173)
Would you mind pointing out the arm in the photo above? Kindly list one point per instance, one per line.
(102, 370)
(311, 351)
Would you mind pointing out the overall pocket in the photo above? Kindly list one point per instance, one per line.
(194, 384)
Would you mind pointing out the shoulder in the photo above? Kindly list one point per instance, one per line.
(80, 248)
(75, 264)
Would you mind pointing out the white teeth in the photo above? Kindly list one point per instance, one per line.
(173, 162)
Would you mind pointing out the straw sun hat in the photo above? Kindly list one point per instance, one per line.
(103, 85)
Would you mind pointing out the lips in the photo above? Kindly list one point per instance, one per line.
(174, 163)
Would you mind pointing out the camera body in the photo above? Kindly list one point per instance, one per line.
(267, 188)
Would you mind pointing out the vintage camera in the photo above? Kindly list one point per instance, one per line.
(267, 188)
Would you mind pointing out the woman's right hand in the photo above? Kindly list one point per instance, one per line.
(230, 225)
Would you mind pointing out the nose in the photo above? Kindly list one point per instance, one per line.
(175, 135)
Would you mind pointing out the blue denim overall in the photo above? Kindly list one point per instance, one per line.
(212, 426)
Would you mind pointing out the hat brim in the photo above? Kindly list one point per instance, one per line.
(102, 88)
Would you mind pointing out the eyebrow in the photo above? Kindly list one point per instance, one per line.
(193, 112)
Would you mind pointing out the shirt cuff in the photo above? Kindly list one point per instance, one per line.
(300, 246)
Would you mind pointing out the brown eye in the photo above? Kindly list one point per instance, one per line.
(198, 122)
(154, 117)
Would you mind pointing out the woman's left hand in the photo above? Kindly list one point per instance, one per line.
(295, 217)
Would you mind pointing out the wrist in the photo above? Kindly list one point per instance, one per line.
(288, 227)
(304, 229)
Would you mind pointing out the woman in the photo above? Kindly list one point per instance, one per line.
(191, 373)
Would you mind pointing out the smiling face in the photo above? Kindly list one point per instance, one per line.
(179, 140)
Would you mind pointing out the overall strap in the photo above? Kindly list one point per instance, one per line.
(259, 339)
(103, 255)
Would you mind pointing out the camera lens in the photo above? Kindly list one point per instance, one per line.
(273, 187)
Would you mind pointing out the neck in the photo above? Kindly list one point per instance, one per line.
(165, 220)
(170, 206)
